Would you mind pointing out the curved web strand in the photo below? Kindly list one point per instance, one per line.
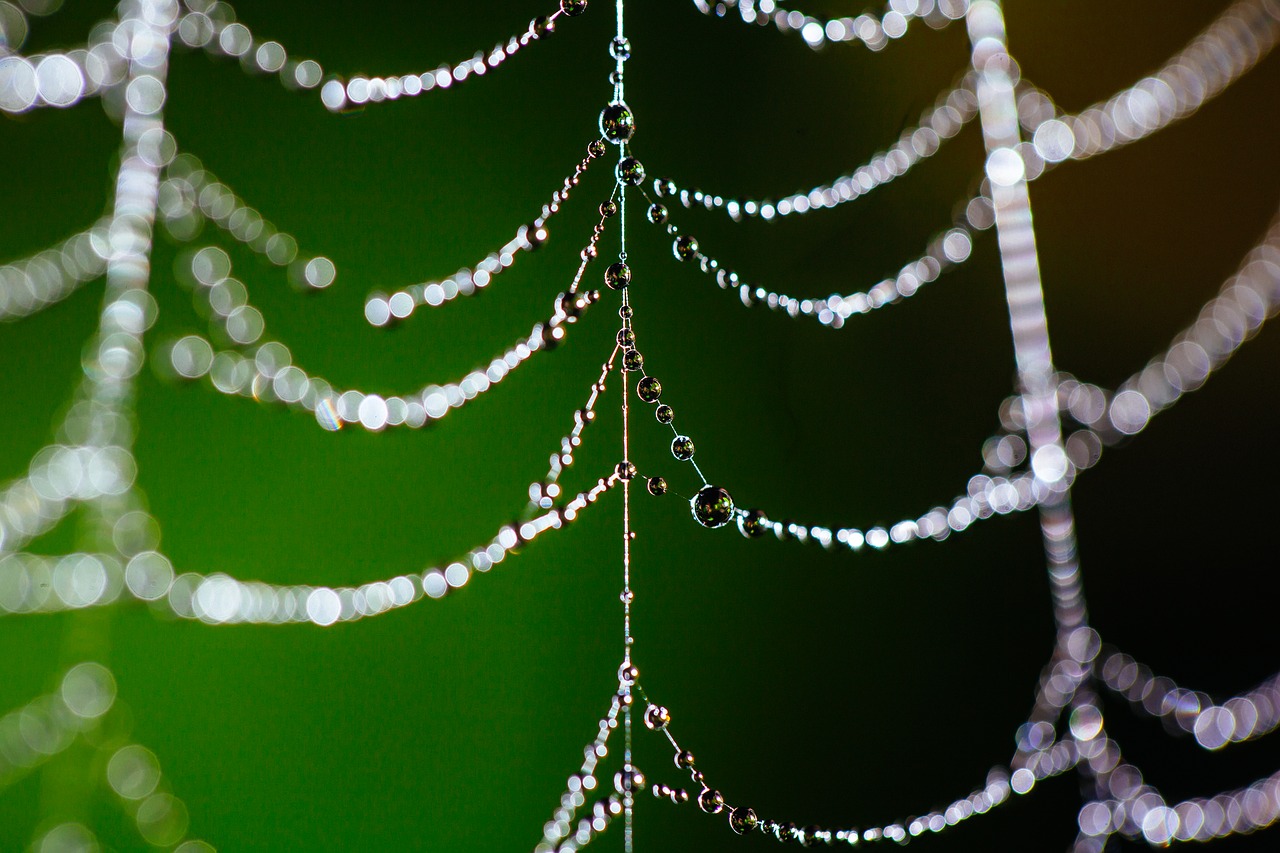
(90, 463)
(1127, 804)
(382, 310)
(191, 195)
(1244, 303)
(64, 78)
(953, 109)
(60, 477)
(946, 250)
(1228, 48)
(1236, 812)
(220, 599)
(1222, 53)
(29, 285)
(1215, 725)
(87, 464)
(36, 583)
(213, 27)
(50, 724)
(137, 571)
(987, 495)
(565, 826)
(60, 78)
(543, 493)
(1029, 767)
(873, 31)
(265, 371)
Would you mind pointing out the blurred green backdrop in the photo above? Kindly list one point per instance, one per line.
(819, 687)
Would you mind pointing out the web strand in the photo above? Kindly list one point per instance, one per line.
(621, 53)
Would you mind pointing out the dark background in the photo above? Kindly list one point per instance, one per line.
(818, 687)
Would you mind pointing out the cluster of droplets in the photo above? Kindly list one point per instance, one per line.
(712, 506)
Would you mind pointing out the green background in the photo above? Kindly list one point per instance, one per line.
(817, 687)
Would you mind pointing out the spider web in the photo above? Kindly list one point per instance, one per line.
(90, 468)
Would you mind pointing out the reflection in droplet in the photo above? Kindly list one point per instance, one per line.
(162, 819)
(149, 576)
(68, 838)
(133, 772)
(88, 690)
